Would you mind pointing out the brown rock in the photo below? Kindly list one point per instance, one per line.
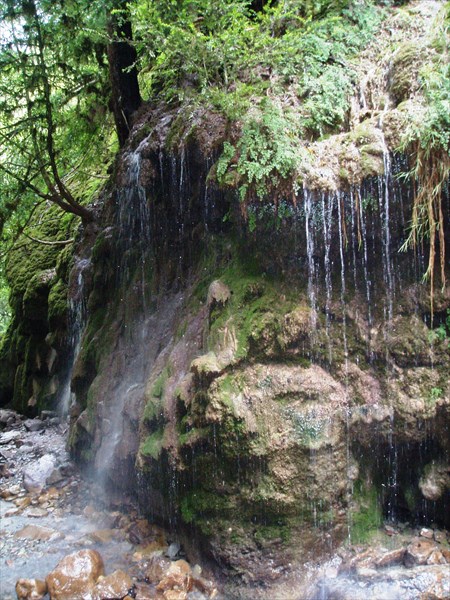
(205, 586)
(12, 512)
(426, 533)
(157, 568)
(102, 536)
(145, 592)
(418, 552)
(75, 575)
(34, 532)
(390, 558)
(177, 578)
(22, 502)
(175, 595)
(30, 589)
(436, 558)
(140, 531)
(446, 554)
(115, 585)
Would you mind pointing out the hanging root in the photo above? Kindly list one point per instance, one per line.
(430, 174)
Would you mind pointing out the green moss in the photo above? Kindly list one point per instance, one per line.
(154, 406)
(57, 304)
(368, 518)
(198, 505)
(271, 533)
(152, 445)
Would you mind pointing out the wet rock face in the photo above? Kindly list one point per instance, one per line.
(75, 576)
(31, 589)
(115, 585)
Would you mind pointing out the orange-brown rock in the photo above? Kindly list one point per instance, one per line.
(205, 586)
(115, 585)
(75, 575)
(175, 595)
(178, 578)
(418, 551)
(390, 558)
(30, 589)
(22, 502)
(157, 567)
(103, 536)
(34, 532)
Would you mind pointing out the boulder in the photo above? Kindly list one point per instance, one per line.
(34, 424)
(9, 436)
(435, 481)
(178, 579)
(34, 532)
(37, 473)
(115, 585)
(30, 589)
(75, 576)
(418, 552)
(8, 416)
(157, 568)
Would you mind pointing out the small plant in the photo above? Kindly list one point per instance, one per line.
(436, 393)
(442, 332)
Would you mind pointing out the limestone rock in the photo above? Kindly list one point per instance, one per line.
(34, 424)
(418, 552)
(34, 532)
(390, 558)
(435, 480)
(178, 578)
(9, 436)
(75, 575)
(115, 585)
(205, 367)
(37, 473)
(157, 567)
(218, 294)
(30, 589)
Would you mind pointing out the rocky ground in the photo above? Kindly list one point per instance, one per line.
(61, 536)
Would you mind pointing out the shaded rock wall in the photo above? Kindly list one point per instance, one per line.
(274, 390)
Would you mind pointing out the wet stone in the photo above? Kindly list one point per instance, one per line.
(426, 533)
(35, 532)
(173, 550)
(36, 474)
(9, 436)
(157, 567)
(390, 558)
(115, 585)
(418, 552)
(75, 575)
(30, 589)
(34, 425)
(37, 513)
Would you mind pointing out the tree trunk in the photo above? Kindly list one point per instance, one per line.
(122, 57)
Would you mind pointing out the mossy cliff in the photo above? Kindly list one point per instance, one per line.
(266, 390)
(266, 375)
(34, 349)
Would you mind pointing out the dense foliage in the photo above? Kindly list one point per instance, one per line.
(284, 73)
(427, 140)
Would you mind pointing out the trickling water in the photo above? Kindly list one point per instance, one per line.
(311, 261)
(362, 218)
(327, 213)
(77, 318)
(133, 223)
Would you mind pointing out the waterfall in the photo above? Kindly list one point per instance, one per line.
(77, 317)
